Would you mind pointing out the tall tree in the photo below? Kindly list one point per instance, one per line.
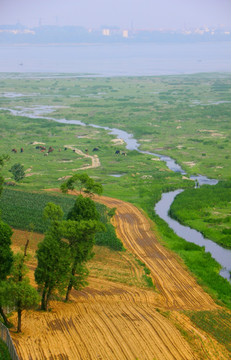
(80, 235)
(21, 294)
(54, 258)
(6, 261)
(53, 269)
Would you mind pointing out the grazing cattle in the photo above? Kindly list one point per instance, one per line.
(124, 153)
(46, 154)
(73, 150)
(59, 150)
(65, 148)
(86, 150)
(21, 150)
(14, 150)
(117, 152)
(51, 149)
(39, 147)
(95, 149)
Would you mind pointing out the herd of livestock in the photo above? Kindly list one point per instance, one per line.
(46, 151)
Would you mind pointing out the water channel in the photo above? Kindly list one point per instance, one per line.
(220, 254)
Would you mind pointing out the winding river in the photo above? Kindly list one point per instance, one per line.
(220, 254)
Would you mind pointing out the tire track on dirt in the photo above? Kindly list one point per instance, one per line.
(178, 288)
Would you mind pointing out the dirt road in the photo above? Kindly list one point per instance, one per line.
(114, 321)
(94, 158)
(178, 289)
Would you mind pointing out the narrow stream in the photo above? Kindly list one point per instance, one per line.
(220, 254)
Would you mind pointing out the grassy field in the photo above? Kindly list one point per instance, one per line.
(208, 210)
(186, 117)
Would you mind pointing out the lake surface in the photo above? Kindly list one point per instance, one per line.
(139, 59)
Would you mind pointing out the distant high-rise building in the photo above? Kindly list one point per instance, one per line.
(125, 33)
(106, 32)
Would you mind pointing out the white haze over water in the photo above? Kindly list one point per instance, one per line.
(118, 59)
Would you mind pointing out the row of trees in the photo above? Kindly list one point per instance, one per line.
(66, 248)
(15, 288)
(62, 255)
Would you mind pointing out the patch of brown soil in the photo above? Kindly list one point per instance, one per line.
(177, 287)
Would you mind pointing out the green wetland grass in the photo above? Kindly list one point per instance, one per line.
(208, 210)
(186, 117)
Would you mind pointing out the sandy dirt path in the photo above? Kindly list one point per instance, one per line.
(177, 287)
(94, 158)
(114, 321)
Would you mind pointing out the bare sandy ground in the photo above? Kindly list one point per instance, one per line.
(111, 321)
(94, 158)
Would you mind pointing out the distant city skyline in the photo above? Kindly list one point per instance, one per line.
(127, 14)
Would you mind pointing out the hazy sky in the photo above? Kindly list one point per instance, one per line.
(142, 14)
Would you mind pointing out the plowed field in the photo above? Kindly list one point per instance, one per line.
(110, 320)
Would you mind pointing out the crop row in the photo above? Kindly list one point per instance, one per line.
(24, 210)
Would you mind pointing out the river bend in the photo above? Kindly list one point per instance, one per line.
(220, 254)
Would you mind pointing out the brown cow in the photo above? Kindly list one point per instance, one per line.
(14, 150)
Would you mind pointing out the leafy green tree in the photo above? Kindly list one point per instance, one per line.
(79, 230)
(53, 212)
(53, 269)
(53, 254)
(80, 236)
(21, 294)
(83, 183)
(6, 261)
(83, 209)
(18, 172)
(6, 255)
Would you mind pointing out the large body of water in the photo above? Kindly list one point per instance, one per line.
(138, 59)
